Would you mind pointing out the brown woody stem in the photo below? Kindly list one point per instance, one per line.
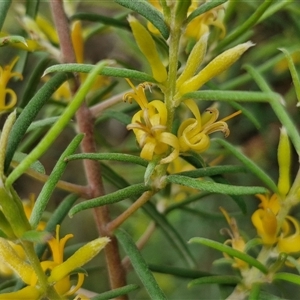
(85, 123)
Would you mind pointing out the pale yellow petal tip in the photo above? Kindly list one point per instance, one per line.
(283, 131)
(100, 242)
(131, 18)
(249, 44)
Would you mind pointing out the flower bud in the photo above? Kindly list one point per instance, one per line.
(194, 60)
(148, 48)
(78, 259)
(218, 65)
(284, 162)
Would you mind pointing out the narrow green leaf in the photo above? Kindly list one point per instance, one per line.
(213, 187)
(109, 156)
(204, 8)
(100, 19)
(35, 236)
(49, 186)
(36, 166)
(277, 105)
(42, 123)
(12, 39)
(4, 7)
(238, 199)
(232, 252)
(148, 11)
(293, 278)
(116, 292)
(294, 73)
(229, 96)
(106, 71)
(30, 112)
(255, 169)
(171, 234)
(242, 28)
(139, 265)
(225, 279)
(32, 8)
(211, 171)
(255, 291)
(130, 191)
(34, 80)
(179, 272)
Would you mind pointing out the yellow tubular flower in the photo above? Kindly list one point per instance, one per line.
(60, 270)
(193, 133)
(148, 48)
(218, 65)
(265, 223)
(236, 241)
(284, 162)
(78, 259)
(149, 127)
(8, 98)
(47, 29)
(200, 25)
(194, 60)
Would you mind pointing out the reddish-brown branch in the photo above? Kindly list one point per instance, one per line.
(85, 123)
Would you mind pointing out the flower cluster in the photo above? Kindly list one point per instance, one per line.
(150, 127)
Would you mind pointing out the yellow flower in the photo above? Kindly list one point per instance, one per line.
(236, 241)
(284, 163)
(264, 219)
(218, 65)
(57, 270)
(8, 98)
(42, 34)
(147, 46)
(193, 133)
(289, 240)
(200, 25)
(149, 127)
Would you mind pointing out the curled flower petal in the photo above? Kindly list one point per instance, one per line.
(265, 223)
(193, 133)
(8, 97)
(290, 243)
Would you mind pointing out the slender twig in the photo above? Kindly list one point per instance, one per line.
(92, 168)
(98, 109)
(82, 191)
(129, 211)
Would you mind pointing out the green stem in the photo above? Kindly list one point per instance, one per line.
(172, 75)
